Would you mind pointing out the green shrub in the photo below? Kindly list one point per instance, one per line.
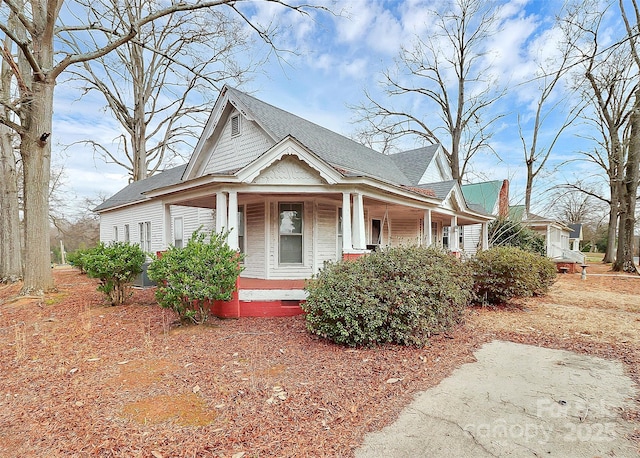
(503, 273)
(116, 266)
(77, 259)
(191, 278)
(397, 295)
(506, 232)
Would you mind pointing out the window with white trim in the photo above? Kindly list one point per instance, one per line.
(445, 236)
(178, 232)
(145, 236)
(290, 233)
(115, 233)
(127, 236)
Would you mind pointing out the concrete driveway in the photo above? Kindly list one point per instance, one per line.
(517, 401)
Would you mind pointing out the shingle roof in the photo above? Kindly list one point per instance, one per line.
(441, 189)
(576, 230)
(483, 194)
(414, 163)
(135, 191)
(330, 146)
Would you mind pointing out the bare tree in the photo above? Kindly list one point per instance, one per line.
(37, 61)
(535, 154)
(572, 205)
(450, 73)
(157, 84)
(629, 186)
(607, 91)
(10, 238)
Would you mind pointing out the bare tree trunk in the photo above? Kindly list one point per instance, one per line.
(10, 247)
(36, 156)
(624, 261)
(610, 253)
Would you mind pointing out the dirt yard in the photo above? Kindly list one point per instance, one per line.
(78, 378)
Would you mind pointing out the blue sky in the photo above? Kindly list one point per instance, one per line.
(339, 56)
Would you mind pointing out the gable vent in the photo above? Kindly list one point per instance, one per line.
(235, 125)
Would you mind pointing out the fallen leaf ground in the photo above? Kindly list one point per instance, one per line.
(78, 378)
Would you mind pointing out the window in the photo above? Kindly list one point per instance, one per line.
(241, 228)
(178, 231)
(235, 125)
(434, 232)
(290, 233)
(127, 236)
(460, 236)
(145, 236)
(115, 233)
(445, 236)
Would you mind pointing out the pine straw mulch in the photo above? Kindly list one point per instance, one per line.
(78, 378)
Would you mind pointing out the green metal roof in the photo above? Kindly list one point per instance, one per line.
(484, 194)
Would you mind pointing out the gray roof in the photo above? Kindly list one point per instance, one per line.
(576, 229)
(330, 146)
(414, 163)
(441, 189)
(135, 191)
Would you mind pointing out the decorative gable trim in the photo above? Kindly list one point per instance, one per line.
(224, 107)
(289, 148)
(437, 169)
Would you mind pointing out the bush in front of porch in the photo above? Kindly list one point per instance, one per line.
(191, 278)
(397, 295)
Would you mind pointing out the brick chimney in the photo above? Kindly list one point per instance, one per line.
(503, 199)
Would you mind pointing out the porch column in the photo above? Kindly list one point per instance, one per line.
(453, 235)
(485, 236)
(428, 238)
(359, 242)
(166, 226)
(232, 239)
(346, 222)
(548, 242)
(221, 211)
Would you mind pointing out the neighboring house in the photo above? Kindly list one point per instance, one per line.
(491, 197)
(575, 237)
(293, 195)
(556, 234)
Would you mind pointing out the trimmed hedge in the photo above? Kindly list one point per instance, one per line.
(503, 273)
(397, 295)
(115, 265)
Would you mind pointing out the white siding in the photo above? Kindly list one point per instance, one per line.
(326, 233)
(141, 213)
(234, 152)
(405, 231)
(255, 234)
(193, 218)
(437, 171)
(472, 236)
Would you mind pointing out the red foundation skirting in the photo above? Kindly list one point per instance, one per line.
(238, 309)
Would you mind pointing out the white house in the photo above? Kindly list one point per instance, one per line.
(293, 195)
(556, 235)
